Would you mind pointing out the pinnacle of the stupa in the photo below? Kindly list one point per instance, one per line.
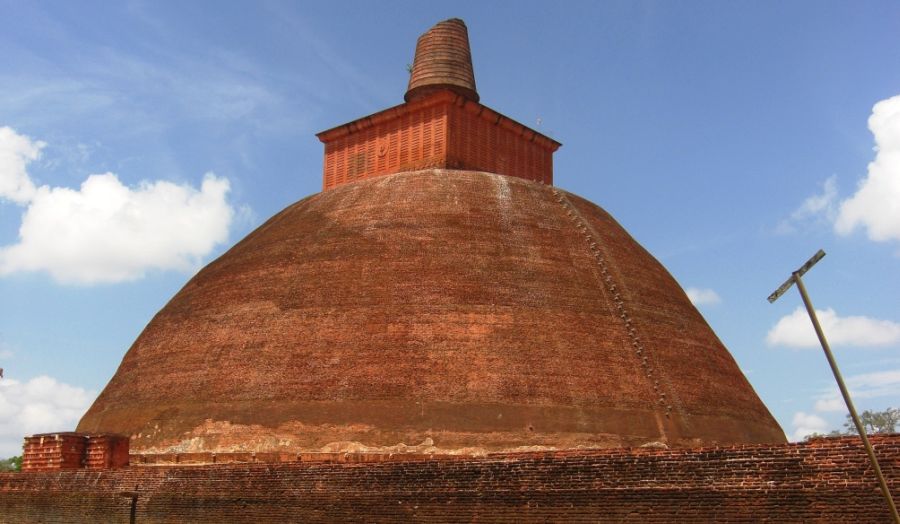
(443, 61)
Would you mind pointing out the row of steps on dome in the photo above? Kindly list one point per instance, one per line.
(667, 402)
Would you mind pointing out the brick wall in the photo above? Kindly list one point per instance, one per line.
(827, 480)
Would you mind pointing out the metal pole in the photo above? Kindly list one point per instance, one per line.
(134, 498)
(837, 376)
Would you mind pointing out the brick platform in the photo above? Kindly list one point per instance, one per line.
(441, 125)
(826, 480)
(442, 130)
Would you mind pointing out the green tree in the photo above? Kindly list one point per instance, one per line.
(885, 421)
(874, 422)
(11, 464)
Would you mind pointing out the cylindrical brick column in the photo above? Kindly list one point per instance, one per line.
(443, 61)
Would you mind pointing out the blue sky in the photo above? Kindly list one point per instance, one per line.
(139, 140)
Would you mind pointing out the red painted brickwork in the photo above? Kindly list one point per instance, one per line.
(483, 140)
(442, 125)
(69, 450)
(442, 130)
(404, 138)
(826, 480)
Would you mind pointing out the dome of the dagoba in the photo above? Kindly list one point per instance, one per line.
(439, 293)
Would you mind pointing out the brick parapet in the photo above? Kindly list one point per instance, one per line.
(825, 480)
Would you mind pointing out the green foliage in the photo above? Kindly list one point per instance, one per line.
(11, 464)
(874, 422)
(833, 433)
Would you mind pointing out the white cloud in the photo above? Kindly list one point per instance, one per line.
(880, 384)
(806, 424)
(40, 405)
(795, 330)
(876, 204)
(821, 203)
(816, 208)
(16, 152)
(106, 231)
(702, 296)
(832, 403)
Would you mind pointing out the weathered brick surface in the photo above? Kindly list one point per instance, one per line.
(443, 61)
(53, 451)
(826, 480)
(471, 309)
(70, 450)
(106, 452)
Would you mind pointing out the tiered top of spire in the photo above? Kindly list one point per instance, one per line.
(441, 125)
(443, 61)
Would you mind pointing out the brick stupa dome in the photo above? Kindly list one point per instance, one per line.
(424, 301)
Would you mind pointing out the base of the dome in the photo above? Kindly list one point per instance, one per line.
(401, 426)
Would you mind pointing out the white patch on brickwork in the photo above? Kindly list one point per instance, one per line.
(504, 202)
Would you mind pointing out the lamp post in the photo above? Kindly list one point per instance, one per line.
(795, 279)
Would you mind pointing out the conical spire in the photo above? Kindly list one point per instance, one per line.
(443, 61)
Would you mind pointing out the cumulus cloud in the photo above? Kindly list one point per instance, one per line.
(880, 384)
(876, 203)
(39, 405)
(831, 403)
(805, 424)
(795, 330)
(106, 231)
(16, 152)
(701, 297)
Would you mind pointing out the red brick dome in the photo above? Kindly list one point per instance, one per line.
(471, 309)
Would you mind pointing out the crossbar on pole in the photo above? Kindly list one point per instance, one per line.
(795, 279)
